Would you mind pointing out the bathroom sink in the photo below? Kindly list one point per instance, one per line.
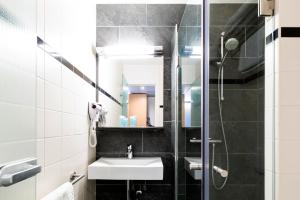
(193, 165)
(137, 168)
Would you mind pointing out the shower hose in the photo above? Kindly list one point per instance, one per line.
(220, 187)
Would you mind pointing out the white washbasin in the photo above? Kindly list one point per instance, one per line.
(137, 168)
(193, 165)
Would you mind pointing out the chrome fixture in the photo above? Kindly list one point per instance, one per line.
(17, 171)
(230, 45)
(195, 140)
(74, 177)
(125, 51)
(222, 172)
(129, 151)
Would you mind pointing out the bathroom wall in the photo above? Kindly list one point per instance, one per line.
(63, 93)
(282, 140)
(140, 24)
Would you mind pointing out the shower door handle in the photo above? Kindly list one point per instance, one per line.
(16, 171)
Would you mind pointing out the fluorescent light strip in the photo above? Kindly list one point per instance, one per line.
(130, 51)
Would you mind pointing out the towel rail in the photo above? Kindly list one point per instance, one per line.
(74, 178)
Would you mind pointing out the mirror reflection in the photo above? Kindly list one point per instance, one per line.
(191, 92)
(135, 84)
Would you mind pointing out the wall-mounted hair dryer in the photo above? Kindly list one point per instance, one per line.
(96, 114)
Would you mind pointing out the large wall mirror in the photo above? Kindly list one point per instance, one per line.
(131, 81)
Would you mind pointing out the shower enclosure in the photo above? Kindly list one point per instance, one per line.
(220, 87)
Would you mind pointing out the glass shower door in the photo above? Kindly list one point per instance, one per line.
(17, 95)
(189, 104)
(236, 101)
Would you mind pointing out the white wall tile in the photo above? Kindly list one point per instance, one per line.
(287, 186)
(284, 161)
(288, 88)
(51, 179)
(68, 101)
(287, 121)
(68, 79)
(40, 123)
(52, 150)
(21, 150)
(289, 54)
(52, 70)
(53, 123)
(40, 61)
(16, 119)
(68, 121)
(52, 96)
(40, 93)
(288, 13)
(15, 83)
(40, 152)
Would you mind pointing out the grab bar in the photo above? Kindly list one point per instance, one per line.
(16, 171)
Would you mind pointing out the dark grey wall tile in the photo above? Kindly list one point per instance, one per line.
(241, 136)
(193, 192)
(159, 141)
(117, 141)
(255, 44)
(240, 192)
(167, 73)
(158, 36)
(234, 14)
(111, 192)
(168, 162)
(158, 192)
(191, 15)
(121, 14)
(239, 105)
(164, 14)
(107, 36)
(167, 105)
(193, 36)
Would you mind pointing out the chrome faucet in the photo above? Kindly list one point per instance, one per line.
(129, 151)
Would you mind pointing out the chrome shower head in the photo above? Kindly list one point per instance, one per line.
(231, 44)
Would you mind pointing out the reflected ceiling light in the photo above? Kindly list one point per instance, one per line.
(130, 51)
(142, 88)
(192, 51)
(125, 88)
